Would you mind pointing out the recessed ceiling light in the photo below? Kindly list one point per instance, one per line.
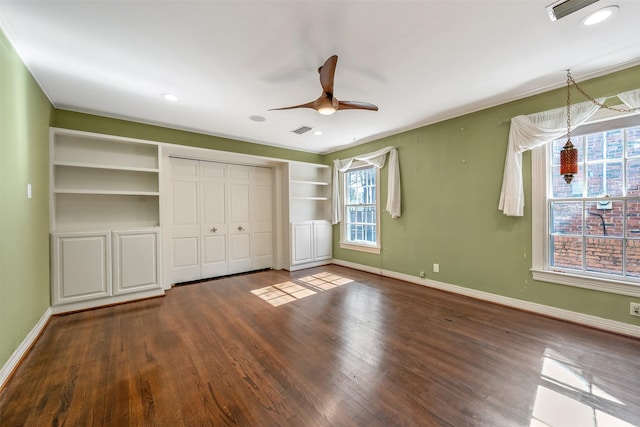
(169, 97)
(599, 15)
(317, 132)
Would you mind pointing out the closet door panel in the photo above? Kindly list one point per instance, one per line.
(214, 261)
(238, 185)
(239, 252)
(261, 218)
(184, 229)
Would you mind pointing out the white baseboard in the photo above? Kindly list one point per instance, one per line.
(558, 313)
(23, 348)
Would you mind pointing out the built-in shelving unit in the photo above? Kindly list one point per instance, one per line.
(309, 192)
(310, 231)
(104, 219)
(102, 181)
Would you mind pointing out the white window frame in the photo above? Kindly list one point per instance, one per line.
(540, 267)
(362, 247)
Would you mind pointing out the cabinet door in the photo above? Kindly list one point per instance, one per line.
(81, 267)
(135, 261)
(239, 218)
(322, 240)
(261, 218)
(213, 229)
(184, 228)
(301, 242)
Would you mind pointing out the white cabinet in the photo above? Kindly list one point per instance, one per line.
(104, 219)
(221, 219)
(136, 254)
(310, 236)
(311, 243)
(103, 267)
(81, 267)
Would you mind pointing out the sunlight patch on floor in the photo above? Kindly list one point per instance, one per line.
(285, 292)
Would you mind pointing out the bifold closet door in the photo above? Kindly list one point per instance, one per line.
(213, 228)
(184, 229)
(261, 218)
(238, 184)
(221, 219)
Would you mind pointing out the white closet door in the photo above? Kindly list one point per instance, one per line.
(184, 228)
(213, 228)
(261, 218)
(239, 218)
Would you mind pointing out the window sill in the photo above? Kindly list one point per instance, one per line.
(361, 248)
(595, 283)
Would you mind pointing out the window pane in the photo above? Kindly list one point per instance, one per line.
(615, 141)
(604, 255)
(614, 179)
(595, 147)
(633, 141)
(361, 224)
(595, 182)
(566, 218)
(562, 189)
(633, 258)
(604, 218)
(566, 252)
(633, 177)
(633, 218)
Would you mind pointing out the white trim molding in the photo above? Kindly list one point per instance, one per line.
(24, 347)
(545, 310)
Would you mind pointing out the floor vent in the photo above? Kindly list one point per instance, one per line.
(562, 8)
(301, 130)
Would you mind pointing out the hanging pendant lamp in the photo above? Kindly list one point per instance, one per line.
(569, 153)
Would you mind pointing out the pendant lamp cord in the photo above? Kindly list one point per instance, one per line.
(571, 80)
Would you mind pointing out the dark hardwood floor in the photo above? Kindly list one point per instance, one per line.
(370, 351)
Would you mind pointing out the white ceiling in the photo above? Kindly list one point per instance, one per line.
(419, 61)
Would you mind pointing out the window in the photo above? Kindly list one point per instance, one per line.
(591, 227)
(360, 226)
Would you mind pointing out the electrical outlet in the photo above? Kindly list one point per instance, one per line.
(436, 268)
(422, 274)
(635, 309)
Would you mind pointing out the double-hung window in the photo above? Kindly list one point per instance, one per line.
(587, 233)
(361, 217)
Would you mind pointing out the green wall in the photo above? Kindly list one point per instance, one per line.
(451, 174)
(24, 223)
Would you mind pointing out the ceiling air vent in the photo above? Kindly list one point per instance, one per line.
(301, 130)
(562, 8)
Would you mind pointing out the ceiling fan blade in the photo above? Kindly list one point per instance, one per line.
(327, 71)
(356, 105)
(311, 104)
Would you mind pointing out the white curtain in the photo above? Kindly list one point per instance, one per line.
(376, 159)
(527, 133)
(631, 98)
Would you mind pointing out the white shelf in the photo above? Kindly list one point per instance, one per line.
(298, 181)
(107, 192)
(107, 167)
(310, 198)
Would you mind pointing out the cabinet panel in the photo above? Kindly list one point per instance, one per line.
(302, 238)
(81, 267)
(135, 261)
(323, 238)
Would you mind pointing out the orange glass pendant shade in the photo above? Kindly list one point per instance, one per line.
(568, 161)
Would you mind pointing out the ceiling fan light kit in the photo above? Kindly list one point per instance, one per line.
(327, 104)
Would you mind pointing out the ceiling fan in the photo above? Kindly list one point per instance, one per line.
(328, 104)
